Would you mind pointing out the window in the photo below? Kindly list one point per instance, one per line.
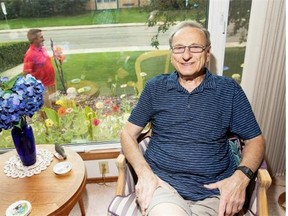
(99, 66)
(228, 24)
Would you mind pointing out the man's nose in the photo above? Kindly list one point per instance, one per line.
(187, 54)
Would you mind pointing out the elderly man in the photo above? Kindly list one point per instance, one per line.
(188, 168)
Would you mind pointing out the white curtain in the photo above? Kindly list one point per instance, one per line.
(264, 77)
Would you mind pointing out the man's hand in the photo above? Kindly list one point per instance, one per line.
(144, 189)
(232, 193)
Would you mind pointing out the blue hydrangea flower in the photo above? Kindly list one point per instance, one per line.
(23, 99)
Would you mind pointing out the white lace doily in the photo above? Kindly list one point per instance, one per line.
(15, 169)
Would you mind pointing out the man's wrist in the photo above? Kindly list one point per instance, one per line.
(247, 171)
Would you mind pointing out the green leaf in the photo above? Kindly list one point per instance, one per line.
(10, 83)
(90, 114)
(52, 114)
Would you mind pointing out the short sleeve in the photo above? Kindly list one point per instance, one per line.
(243, 122)
(142, 112)
(27, 64)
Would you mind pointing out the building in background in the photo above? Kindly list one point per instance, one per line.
(114, 4)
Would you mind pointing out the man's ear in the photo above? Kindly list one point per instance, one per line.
(208, 54)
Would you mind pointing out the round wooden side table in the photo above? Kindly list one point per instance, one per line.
(48, 193)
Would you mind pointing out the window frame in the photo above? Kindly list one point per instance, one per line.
(218, 19)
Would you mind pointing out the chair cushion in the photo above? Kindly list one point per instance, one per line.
(236, 148)
(129, 179)
(123, 206)
(144, 144)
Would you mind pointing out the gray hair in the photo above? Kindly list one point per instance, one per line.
(32, 34)
(192, 24)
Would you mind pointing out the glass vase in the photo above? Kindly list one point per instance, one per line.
(24, 143)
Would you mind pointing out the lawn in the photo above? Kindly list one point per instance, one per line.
(234, 58)
(131, 15)
(89, 18)
(105, 69)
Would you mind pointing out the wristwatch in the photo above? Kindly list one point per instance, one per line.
(247, 171)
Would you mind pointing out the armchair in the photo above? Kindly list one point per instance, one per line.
(124, 203)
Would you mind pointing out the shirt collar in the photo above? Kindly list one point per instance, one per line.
(208, 82)
(35, 47)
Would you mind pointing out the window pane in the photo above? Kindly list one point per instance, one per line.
(238, 20)
(105, 65)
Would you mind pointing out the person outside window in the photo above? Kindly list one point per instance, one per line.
(38, 63)
(188, 167)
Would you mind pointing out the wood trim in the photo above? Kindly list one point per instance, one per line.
(100, 154)
(102, 180)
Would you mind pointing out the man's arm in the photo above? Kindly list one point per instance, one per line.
(129, 144)
(27, 65)
(253, 153)
(233, 189)
(147, 180)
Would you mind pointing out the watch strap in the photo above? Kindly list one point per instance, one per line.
(247, 171)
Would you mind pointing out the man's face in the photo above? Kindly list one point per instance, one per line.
(189, 63)
(39, 41)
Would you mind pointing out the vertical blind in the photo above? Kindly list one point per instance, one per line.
(264, 77)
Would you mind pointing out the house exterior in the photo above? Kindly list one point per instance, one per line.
(114, 4)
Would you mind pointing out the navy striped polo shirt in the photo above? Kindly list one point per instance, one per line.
(189, 146)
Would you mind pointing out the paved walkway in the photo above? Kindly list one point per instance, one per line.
(12, 72)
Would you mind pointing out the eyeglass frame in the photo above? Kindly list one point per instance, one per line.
(189, 47)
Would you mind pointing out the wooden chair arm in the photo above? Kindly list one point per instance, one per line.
(265, 181)
(121, 164)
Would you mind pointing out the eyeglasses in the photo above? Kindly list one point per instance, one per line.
(192, 49)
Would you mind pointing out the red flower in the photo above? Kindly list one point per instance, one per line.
(96, 122)
(115, 108)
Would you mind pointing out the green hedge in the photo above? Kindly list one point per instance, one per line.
(12, 54)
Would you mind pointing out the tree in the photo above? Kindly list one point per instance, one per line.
(165, 13)
(239, 15)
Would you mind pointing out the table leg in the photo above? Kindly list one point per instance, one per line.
(81, 204)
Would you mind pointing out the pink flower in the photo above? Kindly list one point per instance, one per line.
(95, 122)
(59, 54)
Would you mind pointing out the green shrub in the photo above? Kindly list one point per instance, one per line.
(12, 54)
(42, 8)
